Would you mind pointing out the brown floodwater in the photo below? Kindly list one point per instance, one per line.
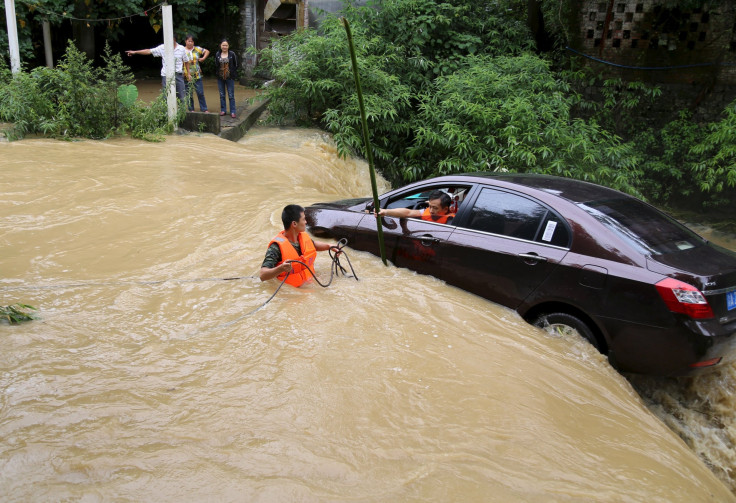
(149, 377)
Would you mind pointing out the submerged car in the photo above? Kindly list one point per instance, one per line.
(567, 255)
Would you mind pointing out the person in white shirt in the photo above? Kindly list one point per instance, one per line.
(180, 60)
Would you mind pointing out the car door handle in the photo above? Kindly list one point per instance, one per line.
(428, 240)
(532, 258)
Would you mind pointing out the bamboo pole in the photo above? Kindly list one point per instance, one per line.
(368, 151)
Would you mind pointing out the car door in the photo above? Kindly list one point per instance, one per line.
(504, 246)
(413, 243)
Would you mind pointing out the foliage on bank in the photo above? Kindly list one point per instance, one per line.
(77, 100)
(454, 86)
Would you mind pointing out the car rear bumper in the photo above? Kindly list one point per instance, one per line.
(687, 348)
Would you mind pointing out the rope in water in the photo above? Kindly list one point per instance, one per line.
(335, 269)
(83, 284)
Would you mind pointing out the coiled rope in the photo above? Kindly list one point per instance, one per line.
(335, 269)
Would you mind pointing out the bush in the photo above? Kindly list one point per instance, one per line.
(452, 86)
(715, 172)
(447, 87)
(77, 100)
(513, 114)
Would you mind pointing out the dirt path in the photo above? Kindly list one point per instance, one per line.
(148, 90)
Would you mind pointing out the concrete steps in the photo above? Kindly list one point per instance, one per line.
(223, 125)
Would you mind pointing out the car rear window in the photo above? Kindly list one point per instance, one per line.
(644, 227)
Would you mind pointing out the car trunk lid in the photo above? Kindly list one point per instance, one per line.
(709, 268)
(357, 204)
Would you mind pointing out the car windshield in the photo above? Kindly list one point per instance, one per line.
(645, 228)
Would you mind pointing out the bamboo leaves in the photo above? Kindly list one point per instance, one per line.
(17, 313)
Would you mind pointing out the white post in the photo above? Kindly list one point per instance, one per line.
(47, 43)
(12, 36)
(169, 61)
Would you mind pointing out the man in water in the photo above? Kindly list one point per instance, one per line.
(438, 210)
(293, 243)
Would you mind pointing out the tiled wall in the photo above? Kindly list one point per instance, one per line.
(651, 33)
(685, 48)
(645, 25)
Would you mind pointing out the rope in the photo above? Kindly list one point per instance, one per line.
(34, 6)
(335, 269)
(694, 65)
(64, 286)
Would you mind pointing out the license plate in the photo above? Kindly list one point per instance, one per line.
(731, 300)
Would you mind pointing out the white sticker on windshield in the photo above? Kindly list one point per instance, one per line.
(549, 230)
(684, 245)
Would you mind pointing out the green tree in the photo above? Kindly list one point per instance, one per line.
(513, 114)
(434, 36)
(715, 173)
(315, 85)
(90, 17)
(448, 87)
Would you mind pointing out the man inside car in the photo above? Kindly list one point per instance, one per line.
(438, 210)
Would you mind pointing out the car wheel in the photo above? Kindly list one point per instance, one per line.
(566, 324)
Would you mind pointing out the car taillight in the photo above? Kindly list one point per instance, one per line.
(706, 363)
(683, 298)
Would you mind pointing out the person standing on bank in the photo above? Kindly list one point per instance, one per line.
(193, 73)
(293, 243)
(227, 72)
(179, 63)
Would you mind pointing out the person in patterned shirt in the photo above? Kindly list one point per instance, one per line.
(194, 55)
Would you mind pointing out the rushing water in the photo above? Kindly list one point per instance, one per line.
(146, 378)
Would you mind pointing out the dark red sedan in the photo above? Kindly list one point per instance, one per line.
(566, 255)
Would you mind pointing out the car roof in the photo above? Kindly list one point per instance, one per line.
(576, 191)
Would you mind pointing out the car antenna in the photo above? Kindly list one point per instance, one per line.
(368, 151)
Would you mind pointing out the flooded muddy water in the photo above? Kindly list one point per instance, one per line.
(146, 378)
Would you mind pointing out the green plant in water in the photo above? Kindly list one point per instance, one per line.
(16, 313)
(151, 123)
(127, 94)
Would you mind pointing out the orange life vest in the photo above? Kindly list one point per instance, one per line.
(299, 274)
(442, 219)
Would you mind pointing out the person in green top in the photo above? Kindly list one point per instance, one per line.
(193, 74)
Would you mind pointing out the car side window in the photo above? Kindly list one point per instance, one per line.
(417, 200)
(512, 215)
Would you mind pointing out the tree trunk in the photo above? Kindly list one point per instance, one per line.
(84, 32)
